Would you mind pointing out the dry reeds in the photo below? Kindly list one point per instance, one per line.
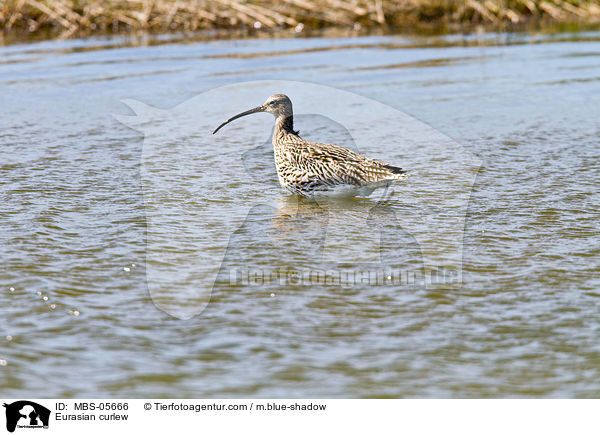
(66, 18)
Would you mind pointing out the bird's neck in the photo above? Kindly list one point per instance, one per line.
(284, 125)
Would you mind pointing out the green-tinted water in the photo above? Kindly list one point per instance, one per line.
(74, 221)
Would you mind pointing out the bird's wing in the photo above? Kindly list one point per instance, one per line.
(333, 164)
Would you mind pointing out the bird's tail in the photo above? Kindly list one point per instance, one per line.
(398, 172)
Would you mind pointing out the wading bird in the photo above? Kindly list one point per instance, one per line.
(311, 168)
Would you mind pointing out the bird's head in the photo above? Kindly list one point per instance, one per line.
(278, 105)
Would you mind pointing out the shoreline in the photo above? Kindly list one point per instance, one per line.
(34, 20)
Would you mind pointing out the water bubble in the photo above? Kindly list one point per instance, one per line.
(126, 269)
(74, 313)
(257, 24)
(3, 362)
(299, 27)
(45, 298)
(9, 337)
(12, 289)
(38, 293)
(133, 265)
(52, 306)
(272, 295)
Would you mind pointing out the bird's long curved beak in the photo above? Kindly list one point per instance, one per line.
(239, 115)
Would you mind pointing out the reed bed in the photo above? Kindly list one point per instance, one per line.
(68, 18)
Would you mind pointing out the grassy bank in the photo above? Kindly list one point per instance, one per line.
(69, 18)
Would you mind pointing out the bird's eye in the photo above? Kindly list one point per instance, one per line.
(272, 103)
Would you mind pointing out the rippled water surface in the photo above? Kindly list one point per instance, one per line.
(112, 234)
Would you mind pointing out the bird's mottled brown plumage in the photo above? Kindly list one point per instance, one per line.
(311, 168)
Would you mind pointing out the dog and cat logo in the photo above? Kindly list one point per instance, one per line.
(26, 414)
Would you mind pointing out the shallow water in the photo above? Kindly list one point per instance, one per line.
(85, 198)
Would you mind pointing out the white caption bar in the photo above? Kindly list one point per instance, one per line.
(302, 416)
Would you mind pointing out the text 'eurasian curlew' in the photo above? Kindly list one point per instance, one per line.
(311, 168)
